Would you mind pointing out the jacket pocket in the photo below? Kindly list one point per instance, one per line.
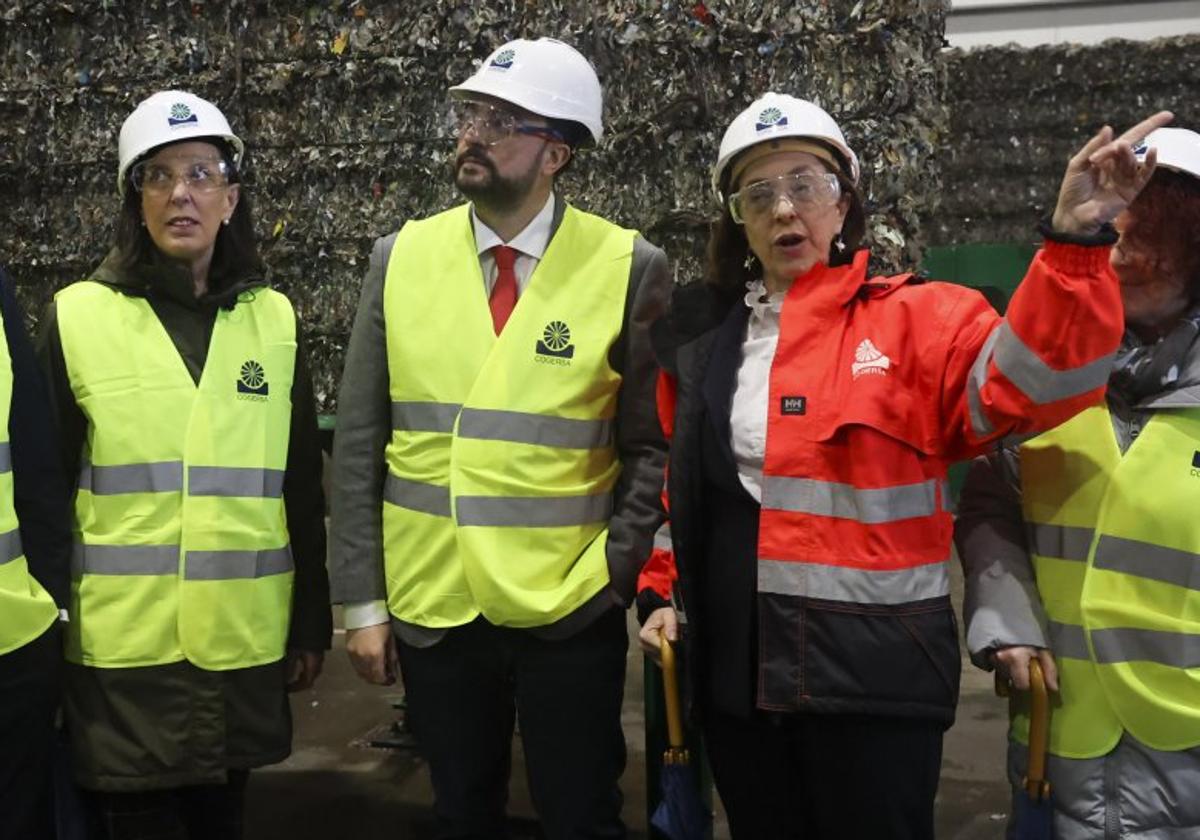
(899, 660)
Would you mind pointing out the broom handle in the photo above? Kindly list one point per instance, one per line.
(671, 692)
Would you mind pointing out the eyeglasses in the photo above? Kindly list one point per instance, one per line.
(199, 177)
(802, 190)
(492, 125)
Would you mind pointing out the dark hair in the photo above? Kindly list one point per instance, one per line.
(1165, 225)
(236, 248)
(725, 262)
(573, 134)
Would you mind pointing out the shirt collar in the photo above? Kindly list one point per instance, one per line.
(532, 241)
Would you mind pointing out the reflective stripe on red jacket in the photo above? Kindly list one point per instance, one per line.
(876, 386)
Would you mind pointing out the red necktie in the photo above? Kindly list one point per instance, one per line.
(504, 293)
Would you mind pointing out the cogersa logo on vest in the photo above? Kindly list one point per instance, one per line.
(868, 360)
(555, 347)
(252, 382)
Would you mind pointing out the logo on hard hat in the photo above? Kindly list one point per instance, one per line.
(555, 347)
(252, 381)
(181, 114)
(504, 59)
(770, 118)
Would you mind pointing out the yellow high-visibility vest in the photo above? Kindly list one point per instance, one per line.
(501, 464)
(1116, 549)
(26, 608)
(181, 538)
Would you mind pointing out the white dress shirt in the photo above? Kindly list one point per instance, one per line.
(530, 244)
(751, 391)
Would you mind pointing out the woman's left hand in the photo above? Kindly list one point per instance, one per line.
(303, 668)
(1104, 177)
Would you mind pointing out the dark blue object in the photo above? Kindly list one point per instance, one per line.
(1034, 818)
(681, 815)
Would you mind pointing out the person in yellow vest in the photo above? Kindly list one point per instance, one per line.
(35, 550)
(1082, 546)
(198, 588)
(498, 459)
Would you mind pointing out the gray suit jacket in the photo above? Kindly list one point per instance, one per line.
(364, 428)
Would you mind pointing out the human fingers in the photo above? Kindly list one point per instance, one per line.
(648, 636)
(1084, 156)
(1013, 663)
(1138, 133)
(367, 648)
(1049, 669)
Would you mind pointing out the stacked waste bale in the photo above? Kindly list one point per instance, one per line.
(343, 106)
(1017, 115)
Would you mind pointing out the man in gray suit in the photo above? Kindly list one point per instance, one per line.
(498, 459)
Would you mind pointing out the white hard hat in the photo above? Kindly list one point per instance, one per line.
(168, 117)
(773, 116)
(546, 77)
(1178, 149)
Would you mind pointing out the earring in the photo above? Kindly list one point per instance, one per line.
(225, 221)
(839, 243)
(750, 261)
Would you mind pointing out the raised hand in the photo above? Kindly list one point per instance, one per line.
(1104, 177)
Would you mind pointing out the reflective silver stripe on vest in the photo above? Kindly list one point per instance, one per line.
(1066, 542)
(859, 586)
(532, 511)
(662, 537)
(1040, 382)
(424, 416)
(1128, 644)
(150, 477)
(5, 457)
(1146, 560)
(1067, 640)
(124, 560)
(536, 429)
(844, 501)
(252, 482)
(417, 495)
(980, 424)
(236, 565)
(10, 546)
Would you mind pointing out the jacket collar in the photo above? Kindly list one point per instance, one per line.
(830, 285)
(165, 278)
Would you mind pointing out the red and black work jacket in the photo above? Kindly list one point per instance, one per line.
(877, 385)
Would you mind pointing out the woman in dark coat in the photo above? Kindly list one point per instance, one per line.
(199, 595)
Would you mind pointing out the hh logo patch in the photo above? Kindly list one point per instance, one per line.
(869, 360)
(793, 405)
(252, 381)
(555, 347)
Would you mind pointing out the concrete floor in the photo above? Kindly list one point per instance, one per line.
(335, 786)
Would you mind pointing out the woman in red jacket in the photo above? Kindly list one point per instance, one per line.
(818, 409)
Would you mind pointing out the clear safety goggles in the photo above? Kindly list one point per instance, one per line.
(802, 190)
(492, 125)
(201, 176)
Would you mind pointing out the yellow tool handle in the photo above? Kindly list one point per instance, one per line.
(1039, 730)
(671, 692)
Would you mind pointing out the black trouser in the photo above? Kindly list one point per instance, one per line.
(463, 693)
(197, 812)
(29, 695)
(825, 777)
